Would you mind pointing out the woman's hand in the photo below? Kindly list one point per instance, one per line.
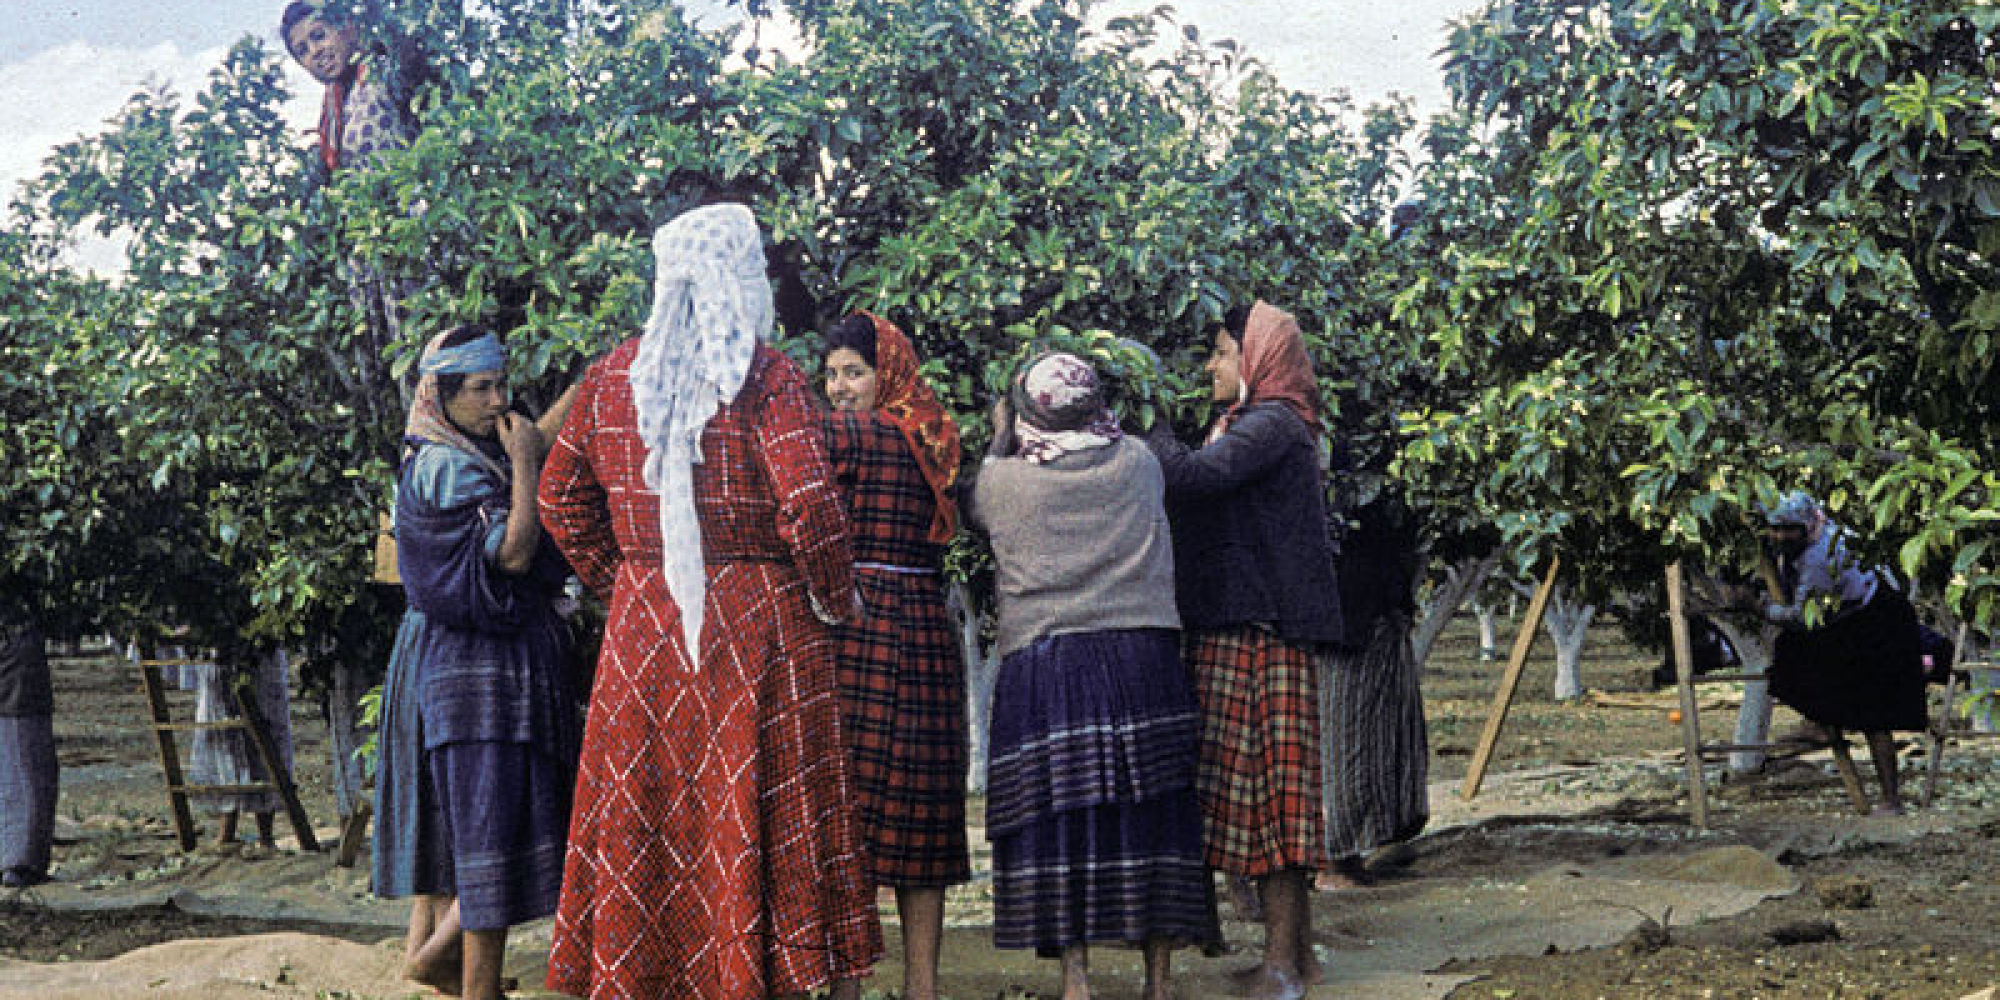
(522, 439)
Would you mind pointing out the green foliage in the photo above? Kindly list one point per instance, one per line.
(213, 436)
(1696, 254)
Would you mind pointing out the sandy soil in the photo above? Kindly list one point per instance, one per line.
(1573, 874)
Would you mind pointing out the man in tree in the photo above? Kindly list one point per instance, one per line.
(363, 114)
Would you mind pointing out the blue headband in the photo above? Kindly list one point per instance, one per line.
(482, 354)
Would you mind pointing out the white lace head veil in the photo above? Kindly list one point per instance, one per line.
(711, 305)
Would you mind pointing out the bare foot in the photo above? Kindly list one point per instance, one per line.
(1243, 896)
(1311, 972)
(1346, 873)
(441, 972)
(1265, 983)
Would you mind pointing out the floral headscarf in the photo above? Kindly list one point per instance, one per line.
(1059, 409)
(711, 305)
(427, 420)
(902, 395)
(1275, 368)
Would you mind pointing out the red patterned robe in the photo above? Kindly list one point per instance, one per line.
(712, 855)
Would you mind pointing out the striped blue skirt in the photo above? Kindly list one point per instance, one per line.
(1090, 804)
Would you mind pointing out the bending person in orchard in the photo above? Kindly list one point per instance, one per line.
(714, 854)
(479, 728)
(1258, 597)
(1090, 802)
(895, 452)
(1855, 662)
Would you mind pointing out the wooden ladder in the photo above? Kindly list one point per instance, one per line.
(250, 721)
(1943, 728)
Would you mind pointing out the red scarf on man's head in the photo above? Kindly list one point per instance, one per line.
(333, 116)
(902, 395)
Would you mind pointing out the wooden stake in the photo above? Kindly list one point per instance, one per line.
(1684, 676)
(1509, 681)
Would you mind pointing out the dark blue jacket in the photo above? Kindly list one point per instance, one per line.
(1250, 528)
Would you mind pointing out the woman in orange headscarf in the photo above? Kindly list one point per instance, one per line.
(1254, 578)
(895, 453)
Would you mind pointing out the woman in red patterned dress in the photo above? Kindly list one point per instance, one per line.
(713, 854)
(895, 453)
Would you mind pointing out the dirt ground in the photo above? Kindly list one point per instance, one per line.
(1574, 873)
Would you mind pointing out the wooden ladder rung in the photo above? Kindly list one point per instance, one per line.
(243, 789)
(1759, 747)
(1720, 677)
(192, 727)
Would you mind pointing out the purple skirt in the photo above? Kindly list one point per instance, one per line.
(1091, 810)
(506, 817)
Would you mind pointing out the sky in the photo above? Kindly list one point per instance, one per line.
(68, 65)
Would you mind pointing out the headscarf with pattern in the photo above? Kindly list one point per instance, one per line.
(427, 421)
(1059, 408)
(711, 305)
(1274, 368)
(902, 395)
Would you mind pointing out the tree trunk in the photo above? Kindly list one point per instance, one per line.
(1753, 720)
(1568, 622)
(1460, 582)
(981, 671)
(1489, 630)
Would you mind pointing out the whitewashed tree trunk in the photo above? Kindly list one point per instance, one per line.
(1568, 622)
(1753, 721)
(1461, 582)
(982, 669)
(1489, 630)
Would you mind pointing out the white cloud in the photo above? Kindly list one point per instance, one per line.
(71, 91)
(64, 93)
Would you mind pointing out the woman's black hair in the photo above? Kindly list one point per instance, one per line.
(450, 382)
(1234, 321)
(856, 333)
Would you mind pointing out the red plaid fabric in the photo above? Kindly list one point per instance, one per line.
(712, 853)
(1259, 773)
(902, 681)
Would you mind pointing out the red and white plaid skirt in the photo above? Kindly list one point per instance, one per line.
(1259, 773)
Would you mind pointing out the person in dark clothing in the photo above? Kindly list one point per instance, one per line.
(1857, 664)
(27, 751)
(1375, 748)
(1255, 584)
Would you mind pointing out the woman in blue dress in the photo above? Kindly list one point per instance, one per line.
(479, 729)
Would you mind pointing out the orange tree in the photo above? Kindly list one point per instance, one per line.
(1692, 255)
(984, 172)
